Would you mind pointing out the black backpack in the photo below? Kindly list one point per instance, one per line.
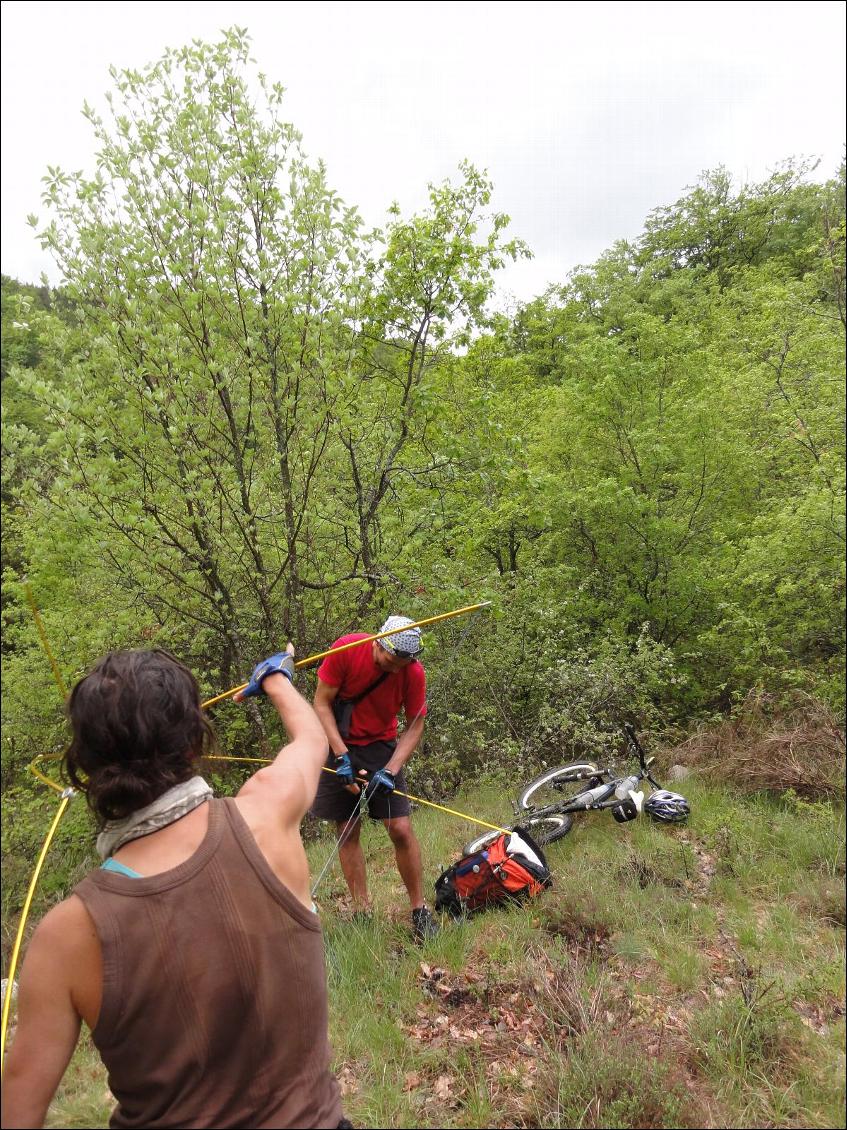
(342, 708)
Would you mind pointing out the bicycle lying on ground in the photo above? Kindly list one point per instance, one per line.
(548, 815)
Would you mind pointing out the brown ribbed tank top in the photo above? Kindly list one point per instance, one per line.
(214, 1009)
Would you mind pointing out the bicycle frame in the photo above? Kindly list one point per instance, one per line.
(604, 792)
(602, 796)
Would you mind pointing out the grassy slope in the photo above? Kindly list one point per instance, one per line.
(672, 977)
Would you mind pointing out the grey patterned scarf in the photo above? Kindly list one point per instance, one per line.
(170, 806)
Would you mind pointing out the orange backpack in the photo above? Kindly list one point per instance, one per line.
(509, 868)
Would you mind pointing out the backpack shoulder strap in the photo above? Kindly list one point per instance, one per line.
(368, 690)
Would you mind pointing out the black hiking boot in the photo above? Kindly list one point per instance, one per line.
(424, 925)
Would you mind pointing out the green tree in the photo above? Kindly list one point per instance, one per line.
(253, 393)
(672, 450)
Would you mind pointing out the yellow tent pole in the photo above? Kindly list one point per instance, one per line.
(66, 796)
(416, 799)
(57, 675)
(37, 773)
(357, 643)
(452, 811)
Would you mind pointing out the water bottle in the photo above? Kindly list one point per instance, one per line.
(625, 787)
(591, 796)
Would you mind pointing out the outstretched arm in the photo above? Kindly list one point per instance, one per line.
(291, 780)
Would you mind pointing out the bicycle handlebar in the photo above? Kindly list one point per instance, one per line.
(644, 761)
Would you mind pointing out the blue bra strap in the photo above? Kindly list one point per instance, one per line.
(119, 868)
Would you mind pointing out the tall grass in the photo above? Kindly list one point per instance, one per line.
(672, 977)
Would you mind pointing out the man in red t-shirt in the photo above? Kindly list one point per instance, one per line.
(360, 693)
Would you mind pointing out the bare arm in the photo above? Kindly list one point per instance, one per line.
(325, 696)
(407, 743)
(274, 800)
(290, 782)
(48, 1021)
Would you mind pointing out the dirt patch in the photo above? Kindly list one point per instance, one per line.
(580, 927)
(522, 1034)
(452, 993)
(819, 1017)
(467, 1008)
(704, 866)
(643, 874)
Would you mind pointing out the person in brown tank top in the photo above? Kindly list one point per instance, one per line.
(194, 955)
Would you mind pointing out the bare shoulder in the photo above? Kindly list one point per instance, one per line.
(64, 962)
(65, 930)
(67, 916)
(269, 787)
(64, 942)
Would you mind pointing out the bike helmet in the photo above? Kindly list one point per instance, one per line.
(626, 810)
(667, 807)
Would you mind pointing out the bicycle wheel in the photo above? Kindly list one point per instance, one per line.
(480, 842)
(547, 829)
(543, 829)
(549, 787)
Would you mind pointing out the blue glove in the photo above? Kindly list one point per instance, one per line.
(280, 664)
(343, 769)
(381, 782)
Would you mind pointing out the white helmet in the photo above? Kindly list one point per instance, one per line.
(668, 807)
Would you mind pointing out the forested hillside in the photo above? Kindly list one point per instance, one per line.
(245, 417)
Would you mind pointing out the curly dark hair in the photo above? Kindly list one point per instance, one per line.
(138, 730)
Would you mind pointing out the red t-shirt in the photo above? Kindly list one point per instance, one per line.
(375, 717)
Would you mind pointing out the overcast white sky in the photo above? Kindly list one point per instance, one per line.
(586, 115)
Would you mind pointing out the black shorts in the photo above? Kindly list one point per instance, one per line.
(334, 802)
